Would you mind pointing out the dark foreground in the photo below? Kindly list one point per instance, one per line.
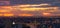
(37, 22)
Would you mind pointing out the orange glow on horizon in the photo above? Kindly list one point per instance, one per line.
(46, 14)
(5, 11)
(5, 7)
(38, 8)
(33, 9)
(25, 14)
(8, 14)
(1, 14)
(21, 10)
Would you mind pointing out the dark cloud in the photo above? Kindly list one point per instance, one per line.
(55, 4)
(4, 0)
(32, 1)
(52, 2)
(2, 3)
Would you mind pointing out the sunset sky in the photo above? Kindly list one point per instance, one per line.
(29, 8)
